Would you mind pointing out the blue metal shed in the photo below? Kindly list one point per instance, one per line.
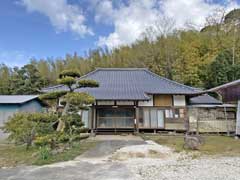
(10, 104)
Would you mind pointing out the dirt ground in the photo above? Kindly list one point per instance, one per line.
(131, 158)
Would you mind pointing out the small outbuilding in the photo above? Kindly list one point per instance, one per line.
(207, 114)
(230, 93)
(10, 104)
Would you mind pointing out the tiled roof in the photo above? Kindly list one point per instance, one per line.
(16, 99)
(128, 84)
(204, 99)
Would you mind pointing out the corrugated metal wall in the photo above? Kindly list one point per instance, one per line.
(7, 110)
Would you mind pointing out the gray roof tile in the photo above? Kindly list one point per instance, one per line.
(204, 99)
(16, 99)
(128, 84)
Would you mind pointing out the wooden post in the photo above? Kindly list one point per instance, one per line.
(238, 119)
(92, 120)
(137, 119)
(197, 122)
(186, 122)
(93, 124)
(225, 114)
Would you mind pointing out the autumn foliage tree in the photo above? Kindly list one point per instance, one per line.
(184, 55)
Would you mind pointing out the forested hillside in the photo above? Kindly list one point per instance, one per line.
(204, 58)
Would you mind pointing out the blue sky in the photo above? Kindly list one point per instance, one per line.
(43, 28)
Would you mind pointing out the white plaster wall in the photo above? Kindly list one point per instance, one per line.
(104, 103)
(146, 103)
(125, 103)
(179, 100)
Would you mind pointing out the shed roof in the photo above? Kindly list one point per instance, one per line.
(227, 85)
(16, 99)
(128, 84)
(204, 99)
(230, 92)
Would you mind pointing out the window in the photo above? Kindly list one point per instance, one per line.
(168, 113)
(115, 118)
(146, 118)
(154, 118)
(182, 113)
(85, 118)
(151, 118)
(175, 113)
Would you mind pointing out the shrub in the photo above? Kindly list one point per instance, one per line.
(62, 137)
(24, 127)
(44, 140)
(44, 153)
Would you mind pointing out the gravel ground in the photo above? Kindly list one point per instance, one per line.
(221, 168)
(152, 161)
(131, 160)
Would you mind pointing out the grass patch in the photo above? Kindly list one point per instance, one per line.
(214, 145)
(11, 155)
(76, 150)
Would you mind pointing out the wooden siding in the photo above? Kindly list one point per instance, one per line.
(211, 120)
(163, 100)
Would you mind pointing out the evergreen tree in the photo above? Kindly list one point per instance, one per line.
(222, 70)
(73, 101)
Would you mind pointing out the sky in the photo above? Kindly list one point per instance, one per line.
(51, 28)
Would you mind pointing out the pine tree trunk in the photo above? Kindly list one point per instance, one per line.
(61, 124)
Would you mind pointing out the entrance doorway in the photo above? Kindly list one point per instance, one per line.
(115, 118)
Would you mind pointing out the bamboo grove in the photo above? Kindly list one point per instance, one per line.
(201, 58)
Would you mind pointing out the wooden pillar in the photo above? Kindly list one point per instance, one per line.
(187, 123)
(137, 117)
(238, 119)
(95, 119)
(92, 120)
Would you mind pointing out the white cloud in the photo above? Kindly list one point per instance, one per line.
(194, 11)
(63, 16)
(131, 19)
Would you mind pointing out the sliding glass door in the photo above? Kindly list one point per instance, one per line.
(115, 118)
(151, 118)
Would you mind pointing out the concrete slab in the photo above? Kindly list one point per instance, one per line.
(117, 137)
(70, 171)
(108, 147)
(92, 165)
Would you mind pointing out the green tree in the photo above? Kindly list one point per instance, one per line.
(23, 128)
(73, 101)
(26, 80)
(5, 77)
(222, 70)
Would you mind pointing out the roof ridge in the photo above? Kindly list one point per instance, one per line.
(121, 69)
(229, 84)
(20, 95)
(91, 72)
(51, 87)
(18, 99)
(171, 81)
